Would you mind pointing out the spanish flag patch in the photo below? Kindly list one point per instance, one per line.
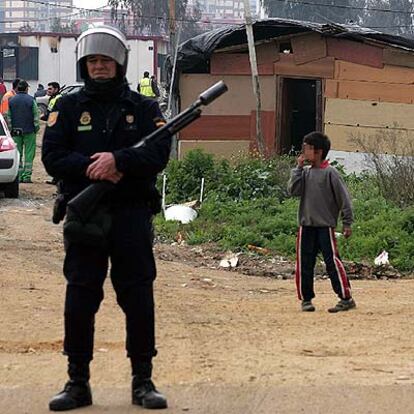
(53, 117)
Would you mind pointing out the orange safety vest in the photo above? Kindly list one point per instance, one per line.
(4, 106)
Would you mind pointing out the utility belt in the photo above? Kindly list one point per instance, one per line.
(95, 231)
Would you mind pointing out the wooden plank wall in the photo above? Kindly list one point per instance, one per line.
(269, 131)
(222, 149)
(381, 140)
(238, 100)
(370, 103)
(231, 128)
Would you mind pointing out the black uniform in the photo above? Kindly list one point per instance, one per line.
(86, 124)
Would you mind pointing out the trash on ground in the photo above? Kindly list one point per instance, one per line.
(382, 259)
(257, 249)
(229, 260)
(181, 213)
(180, 239)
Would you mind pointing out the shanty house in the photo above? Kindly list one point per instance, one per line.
(347, 81)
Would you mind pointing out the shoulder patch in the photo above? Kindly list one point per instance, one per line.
(53, 117)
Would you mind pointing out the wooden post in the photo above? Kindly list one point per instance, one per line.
(171, 6)
(255, 76)
(173, 46)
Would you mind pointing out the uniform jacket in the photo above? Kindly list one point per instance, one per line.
(81, 127)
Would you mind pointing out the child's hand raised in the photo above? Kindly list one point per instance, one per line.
(301, 160)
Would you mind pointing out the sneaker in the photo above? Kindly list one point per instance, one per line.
(343, 305)
(307, 306)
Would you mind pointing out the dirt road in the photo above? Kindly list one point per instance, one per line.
(228, 343)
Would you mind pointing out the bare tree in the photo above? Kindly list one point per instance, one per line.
(152, 17)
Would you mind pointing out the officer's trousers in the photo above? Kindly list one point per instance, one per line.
(132, 274)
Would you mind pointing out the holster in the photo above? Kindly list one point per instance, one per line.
(59, 207)
(93, 232)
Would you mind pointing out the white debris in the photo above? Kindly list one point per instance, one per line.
(382, 259)
(229, 260)
(181, 213)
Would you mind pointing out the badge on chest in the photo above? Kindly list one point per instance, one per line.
(85, 122)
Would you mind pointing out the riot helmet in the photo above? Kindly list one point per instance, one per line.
(102, 40)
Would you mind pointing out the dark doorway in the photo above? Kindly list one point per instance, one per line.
(299, 112)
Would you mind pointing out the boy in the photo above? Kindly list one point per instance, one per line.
(323, 196)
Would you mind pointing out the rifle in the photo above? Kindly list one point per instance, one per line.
(84, 204)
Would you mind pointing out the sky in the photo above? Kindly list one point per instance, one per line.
(90, 4)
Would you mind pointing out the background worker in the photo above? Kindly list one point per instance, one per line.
(4, 106)
(3, 88)
(53, 89)
(147, 86)
(23, 119)
(40, 91)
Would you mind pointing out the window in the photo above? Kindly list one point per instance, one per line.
(9, 64)
(22, 62)
(28, 63)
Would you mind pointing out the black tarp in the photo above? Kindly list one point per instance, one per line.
(194, 54)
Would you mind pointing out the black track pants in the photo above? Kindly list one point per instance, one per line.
(311, 241)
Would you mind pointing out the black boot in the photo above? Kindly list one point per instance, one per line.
(144, 392)
(76, 393)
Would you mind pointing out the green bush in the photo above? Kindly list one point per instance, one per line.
(244, 179)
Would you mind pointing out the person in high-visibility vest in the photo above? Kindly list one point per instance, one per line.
(53, 89)
(4, 106)
(146, 86)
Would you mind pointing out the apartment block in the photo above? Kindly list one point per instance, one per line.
(37, 15)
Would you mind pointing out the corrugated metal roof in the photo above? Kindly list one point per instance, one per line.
(195, 52)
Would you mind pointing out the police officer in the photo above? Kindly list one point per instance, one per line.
(89, 138)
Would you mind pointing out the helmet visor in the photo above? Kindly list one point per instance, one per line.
(102, 44)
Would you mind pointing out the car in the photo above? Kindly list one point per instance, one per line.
(9, 162)
(43, 101)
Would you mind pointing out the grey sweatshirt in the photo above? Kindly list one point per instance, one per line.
(323, 195)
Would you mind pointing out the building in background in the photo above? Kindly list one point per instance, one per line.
(45, 57)
(218, 13)
(34, 15)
